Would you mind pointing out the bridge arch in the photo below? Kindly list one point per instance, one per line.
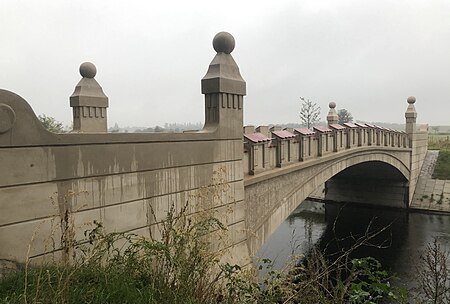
(272, 199)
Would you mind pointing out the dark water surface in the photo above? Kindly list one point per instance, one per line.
(332, 226)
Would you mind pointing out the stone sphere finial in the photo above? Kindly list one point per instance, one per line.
(332, 105)
(223, 42)
(411, 99)
(88, 70)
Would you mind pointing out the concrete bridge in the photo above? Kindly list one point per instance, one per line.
(53, 186)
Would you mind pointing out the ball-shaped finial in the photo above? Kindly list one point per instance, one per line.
(223, 42)
(411, 99)
(332, 105)
(88, 70)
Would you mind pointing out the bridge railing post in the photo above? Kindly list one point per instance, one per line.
(411, 117)
(332, 119)
(224, 90)
(89, 103)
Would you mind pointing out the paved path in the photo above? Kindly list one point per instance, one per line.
(431, 194)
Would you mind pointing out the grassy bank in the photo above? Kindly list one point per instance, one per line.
(442, 168)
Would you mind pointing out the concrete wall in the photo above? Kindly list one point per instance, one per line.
(53, 186)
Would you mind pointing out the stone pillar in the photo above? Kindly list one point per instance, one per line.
(249, 129)
(89, 103)
(411, 117)
(416, 155)
(224, 89)
(332, 116)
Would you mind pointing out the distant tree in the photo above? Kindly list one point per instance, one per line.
(435, 129)
(159, 129)
(51, 124)
(309, 112)
(114, 129)
(344, 116)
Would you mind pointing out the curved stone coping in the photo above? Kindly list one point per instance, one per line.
(26, 130)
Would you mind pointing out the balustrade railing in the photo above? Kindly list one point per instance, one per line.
(267, 148)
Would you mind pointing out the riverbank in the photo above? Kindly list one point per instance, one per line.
(431, 194)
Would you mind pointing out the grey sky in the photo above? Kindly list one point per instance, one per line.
(368, 56)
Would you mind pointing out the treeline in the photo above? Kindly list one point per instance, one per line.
(168, 127)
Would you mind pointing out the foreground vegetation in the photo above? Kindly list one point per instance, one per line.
(183, 267)
(439, 141)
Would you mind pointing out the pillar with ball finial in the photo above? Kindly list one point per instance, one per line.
(332, 116)
(224, 90)
(411, 117)
(89, 103)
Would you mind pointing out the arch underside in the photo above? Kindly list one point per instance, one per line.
(271, 201)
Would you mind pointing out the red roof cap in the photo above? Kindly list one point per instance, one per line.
(350, 125)
(283, 134)
(257, 137)
(337, 126)
(322, 129)
(304, 131)
(362, 125)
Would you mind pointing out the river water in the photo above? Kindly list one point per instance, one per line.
(332, 227)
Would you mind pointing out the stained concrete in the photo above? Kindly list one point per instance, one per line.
(54, 186)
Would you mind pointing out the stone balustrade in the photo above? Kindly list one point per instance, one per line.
(266, 148)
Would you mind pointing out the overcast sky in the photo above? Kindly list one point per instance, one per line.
(368, 56)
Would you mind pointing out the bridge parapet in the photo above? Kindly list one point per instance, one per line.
(357, 162)
(269, 148)
(127, 181)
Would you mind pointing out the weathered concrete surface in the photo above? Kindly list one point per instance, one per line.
(53, 186)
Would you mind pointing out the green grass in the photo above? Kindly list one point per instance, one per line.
(85, 284)
(442, 168)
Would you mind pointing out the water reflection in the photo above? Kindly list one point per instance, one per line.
(334, 227)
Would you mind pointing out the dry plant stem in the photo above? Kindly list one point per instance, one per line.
(433, 274)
